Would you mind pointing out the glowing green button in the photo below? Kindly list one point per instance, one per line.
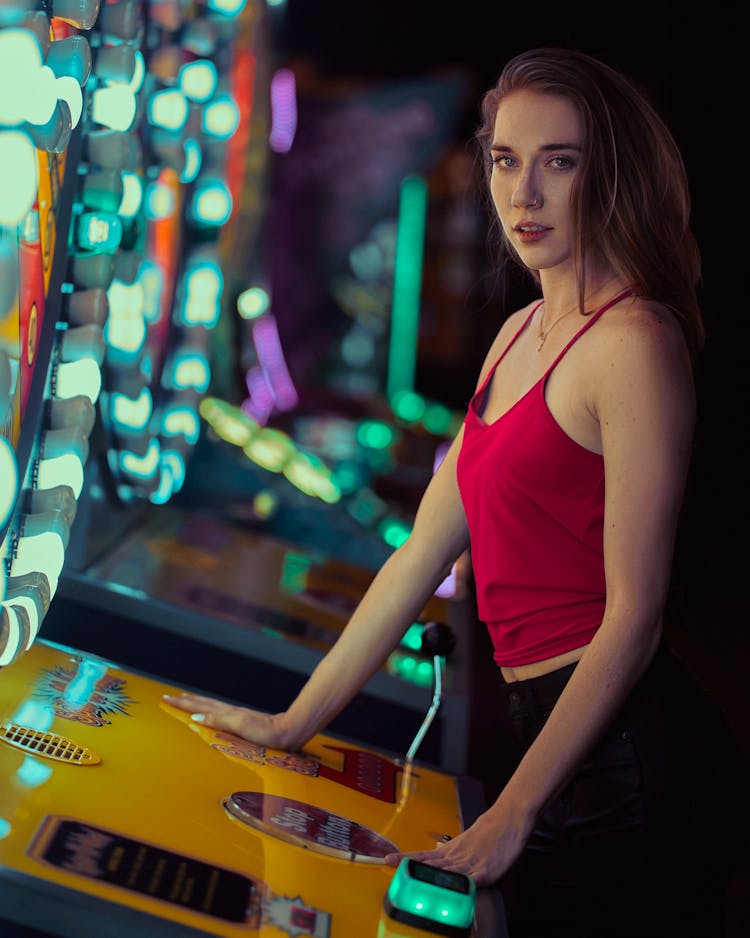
(438, 901)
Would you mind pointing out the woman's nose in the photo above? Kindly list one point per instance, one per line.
(526, 194)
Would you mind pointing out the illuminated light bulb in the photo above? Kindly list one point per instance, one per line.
(82, 342)
(41, 547)
(159, 201)
(80, 13)
(270, 449)
(211, 203)
(120, 20)
(98, 232)
(60, 499)
(19, 177)
(56, 443)
(408, 406)
(142, 467)
(77, 412)
(11, 635)
(221, 118)
(165, 489)
(202, 290)
(168, 109)
(132, 195)
(437, 419)
(283, 111)
(174, 462)
(131, 414)
(116, 64)
(21, 53)
(227, 7)
(189, 370)
(103, 190)
(93, 271)
(67, 89)
(113, 107)
(62, 470)
(253, 302)
(151, 279)
(180, 420)
(80, 377)
(375, 434)
(198, 80)
(139, 74)
(193, 161)
(230, 423)
(9, 476)
(311, 476)
(53, 136)
(125, 329)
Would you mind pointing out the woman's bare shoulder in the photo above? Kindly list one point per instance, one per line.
(505, 334)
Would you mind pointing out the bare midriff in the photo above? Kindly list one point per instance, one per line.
(523, 672)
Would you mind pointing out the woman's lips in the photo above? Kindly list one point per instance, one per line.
(530, 232)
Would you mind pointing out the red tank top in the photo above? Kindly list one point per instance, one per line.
(534, 503)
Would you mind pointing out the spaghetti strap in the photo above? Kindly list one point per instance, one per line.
(505, 351)
(628, 291)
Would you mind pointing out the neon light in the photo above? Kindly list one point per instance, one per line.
(132, 195)
(19, 178)
(114, 107)
(203, 286)
(131, 414)
(168, 109)
(193, 161)
(253, 302)
(181, 421)
(221, 117)
(189, 370)
(198, 80)
(273, 363)
(60, 470)
(81, 377)
(407, 285)
(143, 467)
(408, 406)
(283, 111)
(259, 405)
(211, 204)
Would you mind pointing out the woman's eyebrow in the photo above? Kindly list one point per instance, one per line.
(547, 146)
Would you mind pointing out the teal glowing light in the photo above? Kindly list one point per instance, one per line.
(211, 203)
(408, 406)
(439, 901)
(190, 370)
(413, 637)
(253, 302)
(221, 117)
(202, 290)
(168, 109)
(131, 414)
(179, 420)
(33, 772)
(198, 80)
(407, 285)
(5, 828)
(159, 202)
(193, 161)
(375, 434)
(437, 419)
(132, 195)
(99, 232)
(394, 532)
(141, 467)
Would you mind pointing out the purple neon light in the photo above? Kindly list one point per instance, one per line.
(272, 361)
(448, 587)
(283, 111)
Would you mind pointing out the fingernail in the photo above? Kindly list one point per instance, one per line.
(198, 717)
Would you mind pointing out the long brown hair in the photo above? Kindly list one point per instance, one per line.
(630, 202)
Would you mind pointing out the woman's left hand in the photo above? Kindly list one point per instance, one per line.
(484, 851)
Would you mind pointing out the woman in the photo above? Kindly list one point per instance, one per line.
(590, 384)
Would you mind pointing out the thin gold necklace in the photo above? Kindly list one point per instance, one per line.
(543, 334)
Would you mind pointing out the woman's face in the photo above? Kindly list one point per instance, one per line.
(536, 154)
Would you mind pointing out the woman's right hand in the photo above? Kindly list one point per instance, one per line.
(266, 729)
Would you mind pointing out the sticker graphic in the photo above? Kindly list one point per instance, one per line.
(294, 917)
(365, 772)
(85, 693)
(147, 869)
(309, 826)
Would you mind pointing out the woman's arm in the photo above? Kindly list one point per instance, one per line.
(395, 597)
(642, 398)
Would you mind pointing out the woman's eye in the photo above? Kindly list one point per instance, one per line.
(502, 161)
(561, 162)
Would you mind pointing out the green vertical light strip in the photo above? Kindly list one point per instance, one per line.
(407, 286)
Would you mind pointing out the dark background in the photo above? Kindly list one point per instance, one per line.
(689, 66)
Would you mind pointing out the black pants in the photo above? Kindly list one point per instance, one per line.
(641, 840)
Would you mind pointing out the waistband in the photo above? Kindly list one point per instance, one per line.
(540, 691)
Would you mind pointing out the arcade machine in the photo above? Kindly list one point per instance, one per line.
(118, 814)
(167, 213)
